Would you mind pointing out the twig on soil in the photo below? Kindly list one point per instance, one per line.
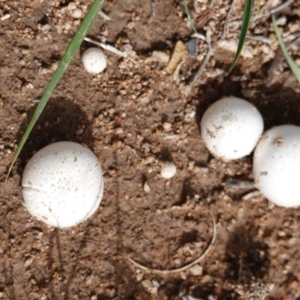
(207, 57)
(186, 267)
(104, 15)
(199, 36)
(225, 29)
(268, 13)
(251, 195)
(275, 9)
(106, 47)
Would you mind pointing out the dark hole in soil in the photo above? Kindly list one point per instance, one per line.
(61, 120)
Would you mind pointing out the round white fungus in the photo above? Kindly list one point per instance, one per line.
(63, 184)
(94, 60)
(168, 170)
(231, 127)
(276, 165)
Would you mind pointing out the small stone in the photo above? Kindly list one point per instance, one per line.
(160, 56)
(76, 13)
(191, 46)
(189, 116)
(71, 6)
(203, 170)
(196, 270)
(46, 27)
(147, 187)
(167, 126)
(5, 17)
(168, 170)
(28, 262)
(155, 283)
(148, 285)
(88, 279)
(139, 276)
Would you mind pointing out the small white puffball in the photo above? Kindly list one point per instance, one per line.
(276, 165)
(168, 170)
(94, 60)
(63, 184)
(231, 127)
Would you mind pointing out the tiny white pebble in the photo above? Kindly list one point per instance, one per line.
(196, 270)
(5, 17)
(168, 170)
(28, 262)
(71, 6)
(76, 13)
(139, 276)
(147, 187)
(167, 126)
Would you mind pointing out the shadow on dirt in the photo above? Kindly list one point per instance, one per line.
(246, 256)
(61, 121)
(207, 290)
(178, 289)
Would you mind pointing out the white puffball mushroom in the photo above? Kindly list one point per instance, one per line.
(168, 170)
(231, 127)
(276, 165)
(94, 60)
(63, 184)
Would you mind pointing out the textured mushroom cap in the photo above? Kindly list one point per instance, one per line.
(276, 165)
(63, 184)
(231, 127)
(94, 60)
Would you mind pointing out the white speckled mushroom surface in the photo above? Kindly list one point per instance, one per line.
(94, 60)
(276, 165)
(63, 184)
(231, 128)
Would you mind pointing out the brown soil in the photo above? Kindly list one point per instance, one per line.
(134, 116)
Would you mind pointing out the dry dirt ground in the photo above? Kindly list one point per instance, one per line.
(134, 116)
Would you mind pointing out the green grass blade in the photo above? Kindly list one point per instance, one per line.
(189, 15)
(66, 59)
(295, 69)
(244, 30)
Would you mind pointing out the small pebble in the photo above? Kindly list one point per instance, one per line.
(5, 17)
(139, 276)
(160, 56)
(28, 262)
(196, 270)
(149, 286)
(71, 6)
(191, 46)
(168, 170)
(237, 184)
(76, 13)
(167, 126)
(46, 27)
(147, 187)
